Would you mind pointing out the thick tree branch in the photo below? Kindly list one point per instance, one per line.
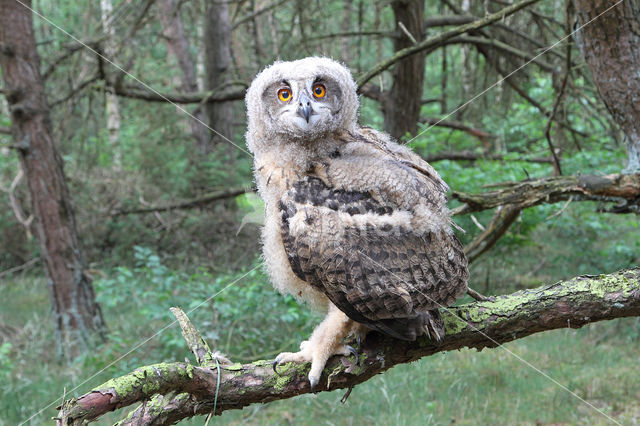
(437, 40)
(187, 390)
(608, 188)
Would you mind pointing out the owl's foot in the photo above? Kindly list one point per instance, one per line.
(316, 355)
(325, 342)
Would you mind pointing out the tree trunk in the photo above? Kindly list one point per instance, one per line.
(112, 106)
(178, 46)
(344, 27)
(402, 103)
(217, 64)
(611, 47)
(78, 319)
(466, 67)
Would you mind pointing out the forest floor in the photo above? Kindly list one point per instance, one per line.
(599, 363)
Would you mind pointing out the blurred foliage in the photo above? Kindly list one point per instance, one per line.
(234, 311)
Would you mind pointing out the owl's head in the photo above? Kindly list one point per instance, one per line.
(302, 100)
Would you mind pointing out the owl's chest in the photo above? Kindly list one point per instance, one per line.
(278, 262)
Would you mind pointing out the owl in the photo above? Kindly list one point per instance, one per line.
(356, 225)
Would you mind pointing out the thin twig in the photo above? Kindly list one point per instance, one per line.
(19, 267)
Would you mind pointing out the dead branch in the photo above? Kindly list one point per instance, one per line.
(502, 219)
(16, 207)
(344, 34)
(456, 125)
(181, 98)
(178, 390)
(474, 156)
(620, 188)
(19, 268)
(437, 40)
(197, 202)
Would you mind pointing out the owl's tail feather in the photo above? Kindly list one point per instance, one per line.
(429, 323)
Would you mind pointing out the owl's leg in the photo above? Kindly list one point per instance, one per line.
(325, 341)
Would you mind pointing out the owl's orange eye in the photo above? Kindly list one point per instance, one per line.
(284, 95)
(319, 90)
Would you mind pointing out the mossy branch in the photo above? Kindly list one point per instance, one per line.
(173, 391)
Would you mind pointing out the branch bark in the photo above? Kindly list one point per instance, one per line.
(611, 47)
(184, 390)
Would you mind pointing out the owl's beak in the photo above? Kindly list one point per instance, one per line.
(304, 108)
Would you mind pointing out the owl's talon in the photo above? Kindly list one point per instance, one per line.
(275, 366)
(312, 384)
(353, 352)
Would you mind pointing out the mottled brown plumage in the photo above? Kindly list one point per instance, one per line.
(355, 223)
(381, 274)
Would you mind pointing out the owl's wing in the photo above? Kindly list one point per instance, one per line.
(400, 153)
(365, 255)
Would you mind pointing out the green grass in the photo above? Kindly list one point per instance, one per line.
(598, 363)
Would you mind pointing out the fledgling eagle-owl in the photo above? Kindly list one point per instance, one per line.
(356, 224)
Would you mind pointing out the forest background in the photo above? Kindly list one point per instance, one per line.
(166, 215)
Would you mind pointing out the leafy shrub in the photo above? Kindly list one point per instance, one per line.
(238, 313)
